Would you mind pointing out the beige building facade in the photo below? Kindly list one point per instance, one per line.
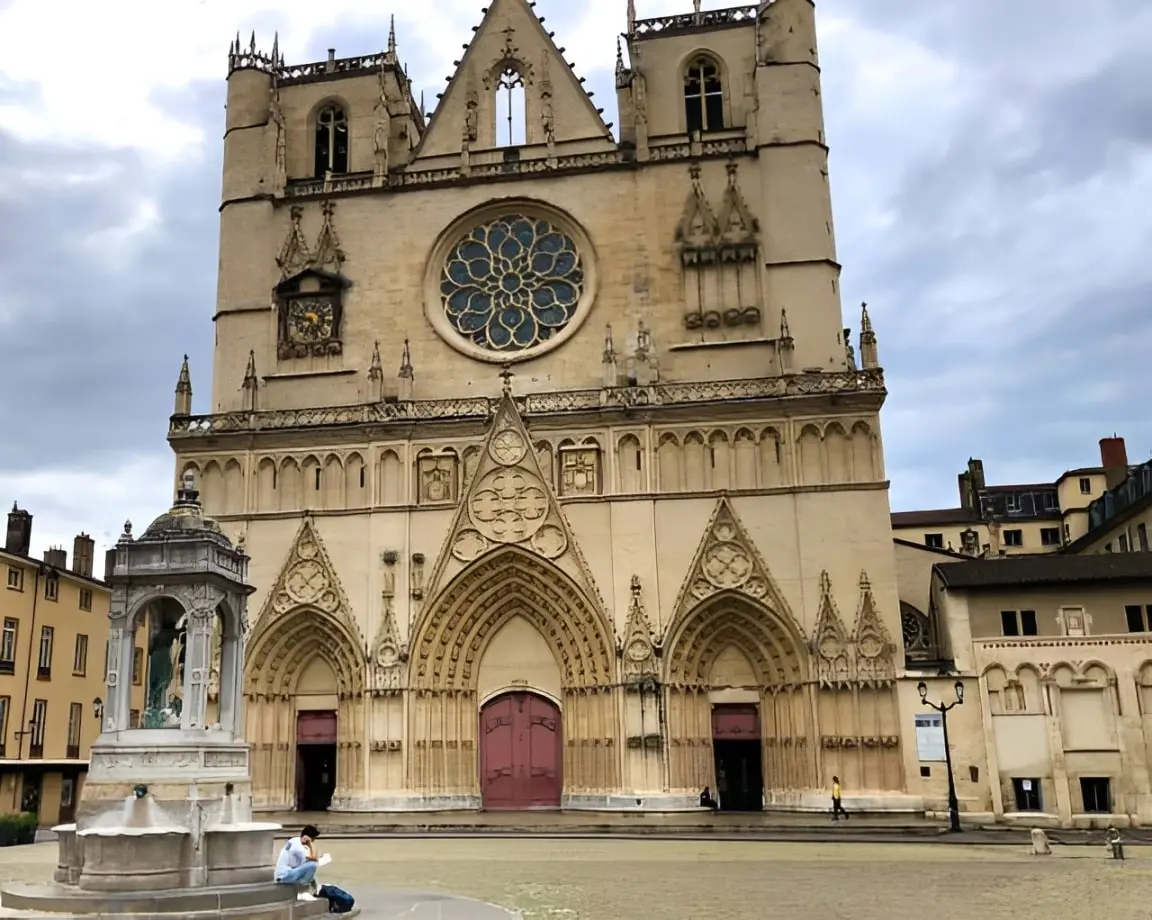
(561, 480)
(54, 620)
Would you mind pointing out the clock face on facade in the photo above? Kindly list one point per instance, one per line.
(310, 320)
(512, 283)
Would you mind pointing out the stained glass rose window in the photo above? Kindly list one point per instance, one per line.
(512, 283)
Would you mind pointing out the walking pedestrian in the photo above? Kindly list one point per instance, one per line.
(837, 807)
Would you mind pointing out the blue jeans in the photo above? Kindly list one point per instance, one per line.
(301, 875)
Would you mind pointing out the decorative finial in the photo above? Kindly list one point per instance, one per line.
(406, 362)
(619, 56)
(631, 16)
(375, 371)
(635, 586)
(865, 319)
(506, 377)
(392, 37)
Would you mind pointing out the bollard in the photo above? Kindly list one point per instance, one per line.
(1115, 845)
(1040, 845)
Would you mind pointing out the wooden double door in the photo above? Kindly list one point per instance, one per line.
(521, 752)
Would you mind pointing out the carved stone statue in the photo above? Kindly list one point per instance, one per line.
(471, 119)
(383, 131)
(165, 676)
(276, 117)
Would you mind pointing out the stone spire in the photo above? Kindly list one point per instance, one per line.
(183, 405)
(407, 375)
(251, 383)
(785, 345)
(869, 356)
(611, 370)
(631, 17)
(392, 39)
(376, 376)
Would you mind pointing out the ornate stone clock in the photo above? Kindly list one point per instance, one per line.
(310, 307)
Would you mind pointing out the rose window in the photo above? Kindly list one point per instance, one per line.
(512, 283)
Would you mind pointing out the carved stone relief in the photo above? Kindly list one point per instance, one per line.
(638, 648)
(437, 476)
(580, 470)
(389, 653)
(830, 643)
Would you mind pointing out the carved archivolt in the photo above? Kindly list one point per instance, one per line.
(727, 560)
(775, 651)
(308, 579)
(513, 581)
(282, 646)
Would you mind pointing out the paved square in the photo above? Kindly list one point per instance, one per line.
(609, 879)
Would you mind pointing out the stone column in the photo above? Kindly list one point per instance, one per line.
(118, 701)
(197, 668)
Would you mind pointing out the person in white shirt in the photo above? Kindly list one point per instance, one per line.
(298, 861)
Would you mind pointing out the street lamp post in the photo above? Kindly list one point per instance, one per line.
(942, 708)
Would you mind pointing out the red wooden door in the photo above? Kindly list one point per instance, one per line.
(520, 752)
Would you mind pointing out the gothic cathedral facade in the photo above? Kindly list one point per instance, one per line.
(561, 482)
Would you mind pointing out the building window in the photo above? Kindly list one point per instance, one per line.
(1012, 503)
(8, 646)
(1096, 792)
(5, 702)
(1049, 536)
(331, 141)
(930, 737)
(1123, 542)
(1142, 537)
(703, 96)
(1027, 792)
(15, 578)
(39, 722)
(137, 666)
(85, 598)
(1013, 538)
(44, 663)
(1022, 623)
(80, 656)
(75, 720)
(51, 588)
(934, 540)
(1139, 618)
(1085, 486)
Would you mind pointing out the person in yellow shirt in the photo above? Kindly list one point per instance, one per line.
(837, 808)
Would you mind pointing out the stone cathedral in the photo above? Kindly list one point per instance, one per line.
(561, 482)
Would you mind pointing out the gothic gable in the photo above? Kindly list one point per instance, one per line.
(727, 560)
(510, 502)
(511, 46)
(308, 579)
(830, 642)
(875, 650)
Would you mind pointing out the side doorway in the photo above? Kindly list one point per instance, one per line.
(738, 750)
(315, 760)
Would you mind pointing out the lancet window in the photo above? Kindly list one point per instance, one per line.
(331, 141)
(511, 116)
(703, 95)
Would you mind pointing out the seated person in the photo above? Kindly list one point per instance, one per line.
(298, 861)
(706, 800)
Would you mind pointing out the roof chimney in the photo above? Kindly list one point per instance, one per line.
(83, 551)
(1114, 459)
(19, 539)
(57, 557)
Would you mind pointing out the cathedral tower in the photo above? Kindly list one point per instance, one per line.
(529, 419)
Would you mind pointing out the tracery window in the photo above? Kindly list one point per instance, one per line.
(511, 116)
(703, 95)
(331, 141)
(512, 283)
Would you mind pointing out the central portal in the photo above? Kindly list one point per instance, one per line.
(521, 752)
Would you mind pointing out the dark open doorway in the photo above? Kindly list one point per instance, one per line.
(315, 760)
(737, 748)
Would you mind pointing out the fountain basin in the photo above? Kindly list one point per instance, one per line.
(237, 854)
(135, 859)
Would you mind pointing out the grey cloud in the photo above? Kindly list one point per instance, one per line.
(998, 375)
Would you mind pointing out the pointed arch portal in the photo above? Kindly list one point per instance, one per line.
(450, 737)
(305, 753)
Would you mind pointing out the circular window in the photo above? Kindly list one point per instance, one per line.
(510, 285)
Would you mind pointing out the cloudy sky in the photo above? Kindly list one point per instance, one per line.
(992, 173)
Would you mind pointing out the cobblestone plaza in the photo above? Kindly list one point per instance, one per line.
(608, 879)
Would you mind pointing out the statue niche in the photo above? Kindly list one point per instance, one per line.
(167, 640)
